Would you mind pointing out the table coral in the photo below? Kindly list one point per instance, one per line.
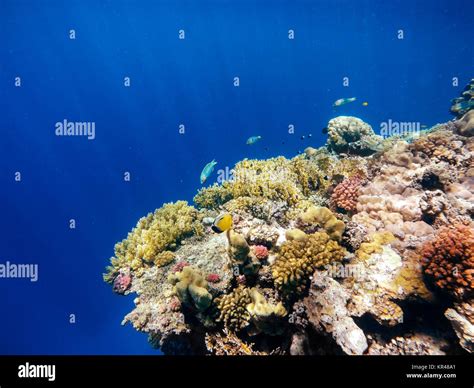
(449, 259)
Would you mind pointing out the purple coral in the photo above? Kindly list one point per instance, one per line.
(122, 283)
(213, 278)
(178, 267)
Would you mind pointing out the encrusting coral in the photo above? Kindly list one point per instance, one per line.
(341, 249)
(374, 245)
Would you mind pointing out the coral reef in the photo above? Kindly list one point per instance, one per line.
(362, 246)
(351, 135)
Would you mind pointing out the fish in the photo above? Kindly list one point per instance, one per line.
(310, 135)
(222, 223)
(343, 101)
(302, 137)
(207, 171)
(325, 130)
(365, 103)
(462, 106)
(253, 139)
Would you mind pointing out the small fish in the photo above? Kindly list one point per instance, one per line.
(325, 130)
(222, 223)
(253, 139)
(462, 106)
(424, 126)
(343, 101)
(365, 103)
(302, 137)
(207, 170)
(310, 135)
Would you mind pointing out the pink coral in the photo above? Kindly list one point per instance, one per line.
(213, 278)
(260, 251)
(122, 283)
(178, 267)
(346, 193)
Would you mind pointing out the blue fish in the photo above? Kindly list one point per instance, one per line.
(207, 170)
(253, 139)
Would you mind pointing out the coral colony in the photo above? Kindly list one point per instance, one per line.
(362, 246)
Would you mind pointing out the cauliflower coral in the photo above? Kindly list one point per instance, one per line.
(448, 260)
(346, 193)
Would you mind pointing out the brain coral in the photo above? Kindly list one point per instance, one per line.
(351, 135)
(448, 260)
(346, 193)
(154, 234)
(298, 259)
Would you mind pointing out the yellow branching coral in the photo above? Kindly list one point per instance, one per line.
(299, 258)
(324, 218)
(280, 180)
(233, 309)
(245, 306)
(163, 258)
(154, 234)
(375, 245)
(191, 288)
(213, 196)
(273, 179)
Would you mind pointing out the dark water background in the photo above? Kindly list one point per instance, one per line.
(174, 82)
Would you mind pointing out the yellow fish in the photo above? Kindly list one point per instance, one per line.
(222, 223)
(365, 103)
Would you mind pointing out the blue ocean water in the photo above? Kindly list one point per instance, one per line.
(175, 82)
